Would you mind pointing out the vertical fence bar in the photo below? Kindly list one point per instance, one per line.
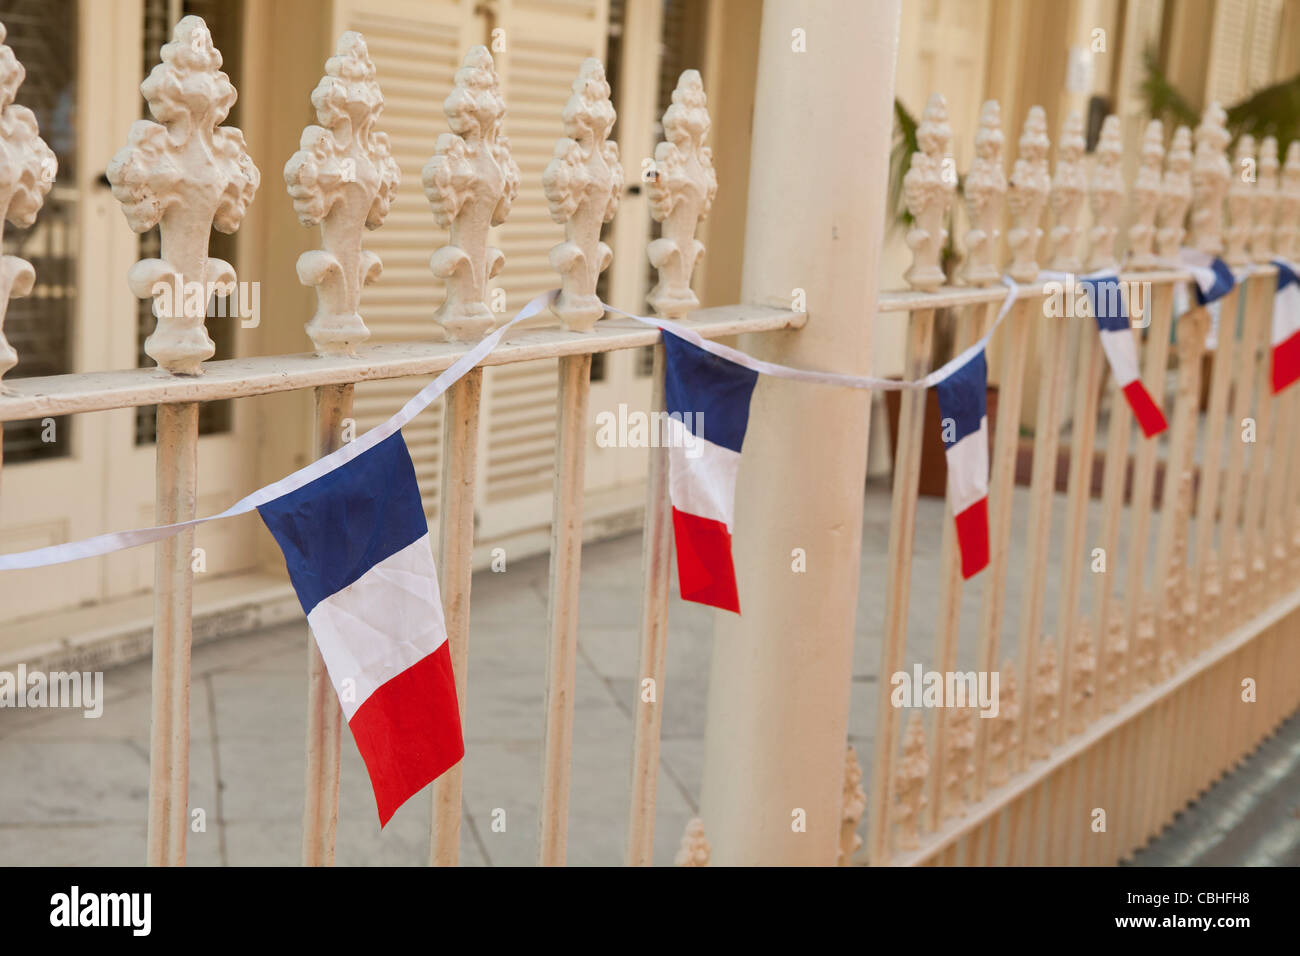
(656, 561)
(456, 569)
(1243, 389)
(1038, 536)
(1207, 500)
(1006, 444)
(320, 815)
(1087, 389)
(566, 560)
(969, 329)
(1144, 471)
(169, 730)
(1259, 306)
(902, 528)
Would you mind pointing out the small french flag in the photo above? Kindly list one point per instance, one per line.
(357, 548)
(1212, 277)
(1117, 342)
(1286, 326)
(963, 397)
(707, 399)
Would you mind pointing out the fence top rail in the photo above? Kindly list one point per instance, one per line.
(949, 297)
(54, 395)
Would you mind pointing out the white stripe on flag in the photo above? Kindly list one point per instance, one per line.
(702, 475)
(1286, 313)
(1121, 353)
(968, 469)
(379, 625)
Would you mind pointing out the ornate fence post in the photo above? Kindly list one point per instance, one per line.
(986, 190)
(342, 179)
(1211, 176)
(928, 188)
(1068, 193)
(1241, 204)
(1175, 195)
(186, 174)
(681, 194)
(1030, 185)
(1146, 199)
(583, 184)
(27, 170)
(1106, 197)
(471, 182)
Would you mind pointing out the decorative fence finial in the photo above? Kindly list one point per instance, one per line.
(471, 182)
(1211, 175)
(1175, 196)
(1027, 195)
(582, 185)
(27, 169)
(681, 194)
(695, 849)
(927, 189)
(1286, 241)
(1106, 196)
(187, 174)
(855, 804)
(1069, 189)
(1241, 203)
(342, 178)
(986, 189)
(1146, 198)
(1266, 193)
(909, 783)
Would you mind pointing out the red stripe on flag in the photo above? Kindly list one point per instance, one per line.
(1144, 408)
(408, 731)
(705, 573)
(1286, 362)
(973, 538)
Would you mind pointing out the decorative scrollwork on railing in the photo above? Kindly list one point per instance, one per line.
(186, 174)
(909, 783)
(342, 178)
(958, 765)
(694, 849)
(1083, 677)
(985, 192)
(1003, 733)
(681, 194)
(27, 170)
(854, 805)
(928, 189)
(471, 183)
(582, 184)
(1046, 700)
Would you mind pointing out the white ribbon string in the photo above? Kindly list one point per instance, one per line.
(120, 540)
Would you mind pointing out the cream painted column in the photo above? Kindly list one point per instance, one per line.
(779, 689)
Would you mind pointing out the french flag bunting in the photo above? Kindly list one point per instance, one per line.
(357, 548)
(1286, 326)
(1118, 343)
(963, 397)
(1212, 277)
(707, 400)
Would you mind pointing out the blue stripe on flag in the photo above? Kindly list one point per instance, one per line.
(336, 528)
(1285, 275)
(962, 397)
(715, 390)
(1223, 283)
(1107, 301)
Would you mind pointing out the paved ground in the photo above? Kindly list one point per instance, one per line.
(73, 791)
